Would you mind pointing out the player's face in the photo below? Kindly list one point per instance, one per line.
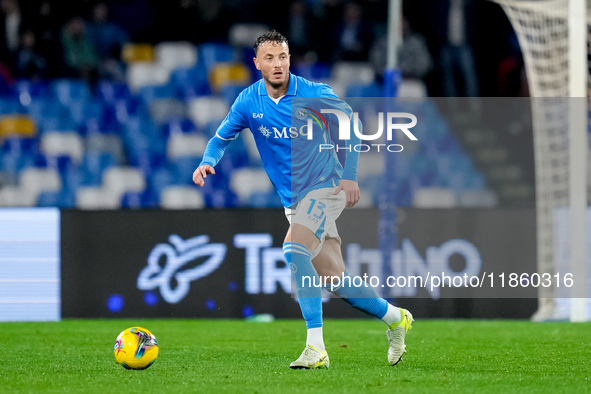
(273, 61)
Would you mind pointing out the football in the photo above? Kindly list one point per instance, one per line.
(136, 348)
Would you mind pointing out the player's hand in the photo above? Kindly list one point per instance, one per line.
(201, 173)
(351, 189)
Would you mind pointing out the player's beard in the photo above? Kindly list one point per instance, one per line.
(277, 85)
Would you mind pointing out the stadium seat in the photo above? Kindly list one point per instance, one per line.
(19, 145)
(366, 200)
(245, 34)
(182, 168)
(162, 110)
(264, 200)
(434, 197)
(106, 143)
(86, 113)
(181, 197)
(17, 125)
(364, 90)
(9, 106)
(185, 145)
(63, 144)
(95, 163)
(246, 181)
(211, 53)
(33, 181)
(412, 88)
(176, 54)
(137, 52)
(312, 71)
(96, 198)
(29, 90)
(11, 196)
(223, 74)
(7, 179)
(353, 72)
(144, 74)
(137, 200)
(160, 179)
(118, 180)
(178, 125)
(370, 164)
(68, 91)
(237, 153)
(62, 199)
(190, 82)
(230, 92)
(109, 92)
(202, 110)
(484, 198)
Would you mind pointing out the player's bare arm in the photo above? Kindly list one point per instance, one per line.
(351, 189)
(201, 173)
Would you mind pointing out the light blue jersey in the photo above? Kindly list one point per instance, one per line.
(294, 163)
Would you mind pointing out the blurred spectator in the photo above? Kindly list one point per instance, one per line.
(456, 53)
(414, 59)
(46, 23)
(177, 20)
(300, 31)
(353, 36)
(107, 40)
(214, 24)
(79, 53)
(10, 29)
(30, 63)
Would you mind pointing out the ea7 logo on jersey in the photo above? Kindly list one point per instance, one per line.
(257, 116)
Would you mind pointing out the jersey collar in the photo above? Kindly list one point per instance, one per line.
(292, 88)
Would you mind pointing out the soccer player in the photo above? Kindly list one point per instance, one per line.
(314, 189)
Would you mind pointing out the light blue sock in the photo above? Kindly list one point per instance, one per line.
(363, 298)
(299, 259)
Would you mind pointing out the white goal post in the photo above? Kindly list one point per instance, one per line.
(555, 38)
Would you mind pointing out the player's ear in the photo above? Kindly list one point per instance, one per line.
(256, 63)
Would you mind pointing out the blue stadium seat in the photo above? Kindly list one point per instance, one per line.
(9, 106)
(137, 200)
(190, 82)
(264, 200)
(211, 53)
(110, 92)
(150, 93)
(19, 146)
(237, 153)
(95, 163)
(231, 92)
(159, 180)
(14, 164)
(312, 71)
(68, 91)
(364, 90)
(28, 91)
(87, 112)
(50, 115)
(403, 192)
(183, 168)
(177, 125)
(61, 199)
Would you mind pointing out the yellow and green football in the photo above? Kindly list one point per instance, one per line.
(136, 348)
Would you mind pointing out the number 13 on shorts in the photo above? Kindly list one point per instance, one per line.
(316, 210)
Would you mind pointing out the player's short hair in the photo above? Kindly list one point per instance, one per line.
(270, 36)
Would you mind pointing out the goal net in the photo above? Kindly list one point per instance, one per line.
(557, 67)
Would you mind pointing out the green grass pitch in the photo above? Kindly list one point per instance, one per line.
(235, 356)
